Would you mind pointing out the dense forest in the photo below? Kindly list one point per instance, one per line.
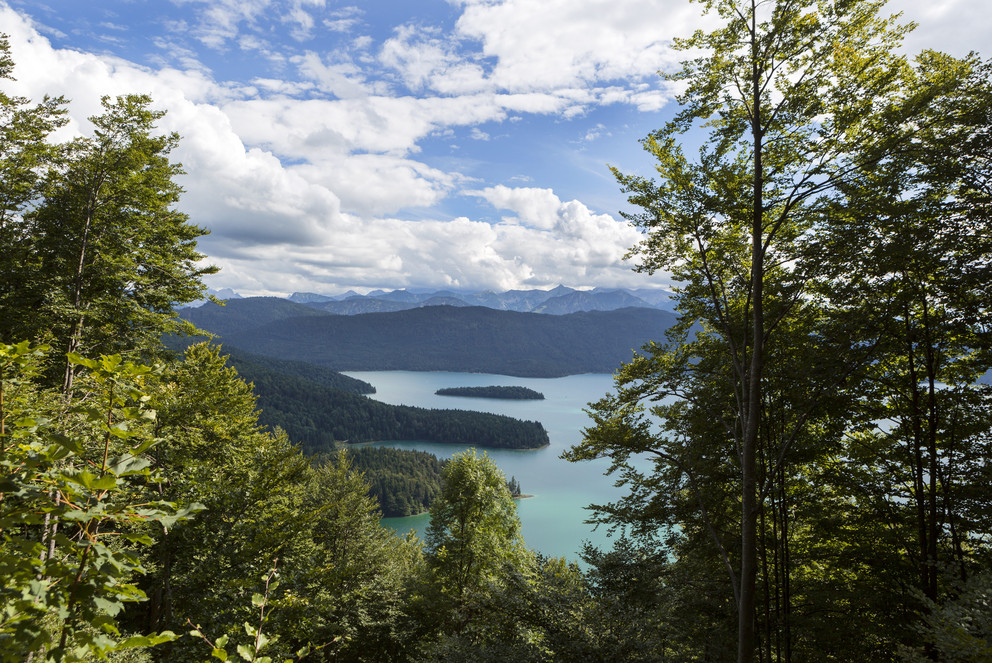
(316, 417)
(511, 393)
(248, 364)
(318, 408)
(404, 482)
(821, 445)
(470, 339)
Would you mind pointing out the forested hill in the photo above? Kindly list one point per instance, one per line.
(436, 338)
(316, 416)
(249, 364)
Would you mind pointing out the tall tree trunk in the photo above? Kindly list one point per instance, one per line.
(919, 490)
(76, 331)
(932, 425)
(752, 403)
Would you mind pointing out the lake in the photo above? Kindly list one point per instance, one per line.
(553, 519)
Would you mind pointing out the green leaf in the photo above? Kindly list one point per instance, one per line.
(129, 465)
(92, 481)
(148, 640)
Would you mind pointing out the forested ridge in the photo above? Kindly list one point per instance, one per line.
(820, 445)
(318, 408)
(248, 363)
(470, 339)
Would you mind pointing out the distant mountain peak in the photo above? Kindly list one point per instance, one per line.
(559, 300)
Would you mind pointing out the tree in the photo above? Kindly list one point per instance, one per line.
(110, 257)
(62, 593)
(474, 527)
(349, 589)
(919, 282)
(26, 156)
(252, 485)
(792, 92)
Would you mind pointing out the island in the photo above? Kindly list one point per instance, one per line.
(512, 393)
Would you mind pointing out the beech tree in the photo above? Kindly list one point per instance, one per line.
(799, 97)
(917, 277)
(474, 526)
(26, 156)
(107, 255)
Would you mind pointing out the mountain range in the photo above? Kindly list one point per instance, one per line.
(557, 301)
(435, 338)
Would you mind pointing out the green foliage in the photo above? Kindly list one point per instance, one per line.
(474, 528)
(403, 481)
(72, 509)
(251, 485)
(259, 641)
(829, 243)
(959, 630)
(101, 255)
(26, 155)
(342, 577)
(349, 595)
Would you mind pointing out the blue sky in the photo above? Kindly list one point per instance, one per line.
(384, 144)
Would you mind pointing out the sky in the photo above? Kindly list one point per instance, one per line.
(448, 144)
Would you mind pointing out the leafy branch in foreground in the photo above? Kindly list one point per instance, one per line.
(250, 652)
(72, 508)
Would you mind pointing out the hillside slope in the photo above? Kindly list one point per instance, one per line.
(439, 338)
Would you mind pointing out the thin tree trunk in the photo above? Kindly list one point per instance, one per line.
(786, 569)
(752, 404)
(917, 449)
(932, 424)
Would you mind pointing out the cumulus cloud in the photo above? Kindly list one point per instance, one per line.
(549, 236)
(562, 43)
(298, 194)
(343, 79)
(321, 174)
(954, 26)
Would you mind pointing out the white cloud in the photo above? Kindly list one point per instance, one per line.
(343, 19)
(370, 184)
(537, 208)
(559, 241)
(318, 218)
(343, 79)
(562, 43)
(310, 178)
(953, 26)
(220, 21)
(416, 54)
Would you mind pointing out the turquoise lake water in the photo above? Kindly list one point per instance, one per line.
(553, 519)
